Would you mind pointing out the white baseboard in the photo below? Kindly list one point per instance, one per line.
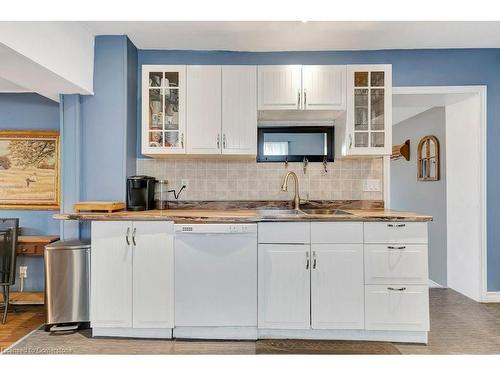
(345, 334)
(216, 333)
(148, 333)
(492, 297)
(433, 284)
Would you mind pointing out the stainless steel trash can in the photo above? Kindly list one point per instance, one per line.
(67, 271)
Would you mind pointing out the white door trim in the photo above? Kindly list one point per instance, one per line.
(482, 92)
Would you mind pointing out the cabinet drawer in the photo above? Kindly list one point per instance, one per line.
(284, 232)
(337, 232)
(29, 249)
(404, 264)
(397, 307)
(395, 232)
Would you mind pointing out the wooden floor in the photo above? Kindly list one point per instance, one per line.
(20, 323)
(458, 326)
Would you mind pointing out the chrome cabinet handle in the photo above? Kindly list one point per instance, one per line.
(305, 99)
(396, 289)
(396, 225)
(133, 236)
(182, 140)
(298, 101)
(218, 141)
(350, 140)
(396, 247)
(127, 235)
(224, 140)
(314, 260)
(307, 260)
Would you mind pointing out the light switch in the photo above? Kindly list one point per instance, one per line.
(371, 185)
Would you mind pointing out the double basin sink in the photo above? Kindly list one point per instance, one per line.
(303, 211)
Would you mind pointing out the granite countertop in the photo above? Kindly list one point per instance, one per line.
(227, 212)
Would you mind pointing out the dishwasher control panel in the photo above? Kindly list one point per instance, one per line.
(215, 228)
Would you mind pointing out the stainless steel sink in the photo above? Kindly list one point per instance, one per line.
(279, 211)
(324, 211)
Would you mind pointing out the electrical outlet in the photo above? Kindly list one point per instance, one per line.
(185, 183)
(371, 185)
(23, 272)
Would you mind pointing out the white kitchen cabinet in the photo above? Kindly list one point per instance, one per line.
(337, 233)
(284, 286)
(286, 233)
(337, 288)
(395, 232)
(239, 110)
(204, 109)
(163, 109)
(153, 276)
(396, 264)
(132, 275)
(111, 275)
(368, 129)
(280, 87)
(397, 307)
(324, 87)
(302, 87)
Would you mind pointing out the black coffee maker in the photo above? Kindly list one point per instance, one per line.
(140, 193)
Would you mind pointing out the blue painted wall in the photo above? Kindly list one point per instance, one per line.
(108, 122)
(30, 112)
(410, 68)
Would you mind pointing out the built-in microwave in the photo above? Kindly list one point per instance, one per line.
(295, 143)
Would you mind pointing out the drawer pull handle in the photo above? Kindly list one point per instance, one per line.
(396, 247)
(396, 225)
(314, 260)
(24, 250)
(127, 237)
(307, 260)
(396, 289)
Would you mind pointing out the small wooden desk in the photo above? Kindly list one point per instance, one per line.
(31, 246)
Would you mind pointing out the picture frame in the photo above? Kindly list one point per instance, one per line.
(30, 169)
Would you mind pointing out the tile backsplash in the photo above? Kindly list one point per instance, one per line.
(248, 180)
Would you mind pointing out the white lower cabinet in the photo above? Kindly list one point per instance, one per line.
(397, 307)
(284, 286)
(303, 286)
(153, 276)
(111, 275)
(329, 282)
(396, 263)
(369, 285)
(396, 276)
(132, 275)
(337, 289)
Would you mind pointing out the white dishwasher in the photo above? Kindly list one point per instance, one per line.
(216, 281)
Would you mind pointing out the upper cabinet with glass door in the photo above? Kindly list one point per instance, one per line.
(163, 109)
(369, 110)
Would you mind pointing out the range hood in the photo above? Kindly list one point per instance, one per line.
(302, 116)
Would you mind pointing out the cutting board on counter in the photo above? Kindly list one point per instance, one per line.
(99, 206)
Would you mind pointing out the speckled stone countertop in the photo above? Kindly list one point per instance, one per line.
(230, 212)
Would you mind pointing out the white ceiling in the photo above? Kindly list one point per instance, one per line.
(299, 36)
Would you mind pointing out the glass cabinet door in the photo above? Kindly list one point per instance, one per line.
(164, 121)
(369, 109)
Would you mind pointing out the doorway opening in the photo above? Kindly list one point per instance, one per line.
(456, 116)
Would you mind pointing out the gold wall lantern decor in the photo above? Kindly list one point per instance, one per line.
(428, 165)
